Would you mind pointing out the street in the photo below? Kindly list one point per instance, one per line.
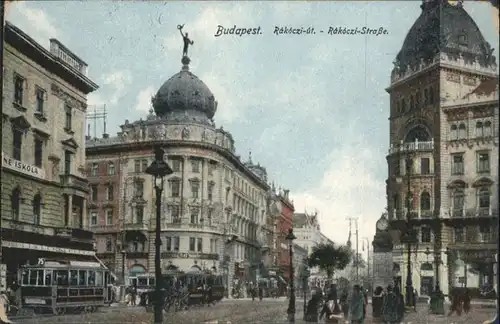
(242, 311)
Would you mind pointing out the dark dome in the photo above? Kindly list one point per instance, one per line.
(184, 92)
(443, 27)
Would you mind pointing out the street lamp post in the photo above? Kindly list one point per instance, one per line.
(291, 305)
(158, 169)
(409, 281)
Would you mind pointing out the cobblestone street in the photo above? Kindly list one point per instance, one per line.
(243, 311)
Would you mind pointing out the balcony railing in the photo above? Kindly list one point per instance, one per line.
(138, 226)
(472, 212)
(69, 180)
(426, 213)
(411, 147)
(104, 228)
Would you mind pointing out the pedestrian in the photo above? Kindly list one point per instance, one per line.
(466, 300)
(312, 308)
(356, 305)
(365, 302)
(391, 307)
(456, 303)
(331, 308)
(377, 302)
(133, 294)
(344, 304)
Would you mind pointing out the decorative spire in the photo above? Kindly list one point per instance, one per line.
(250, 157)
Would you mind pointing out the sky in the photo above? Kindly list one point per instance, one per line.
(311, 108)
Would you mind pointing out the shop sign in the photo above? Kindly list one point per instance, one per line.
(201, 256)
(45, 248)
(24, 168)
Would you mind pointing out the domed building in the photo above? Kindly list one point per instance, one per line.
(213, 204)
(443, 156)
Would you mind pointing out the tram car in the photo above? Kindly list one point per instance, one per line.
(196, 280)
(61, 286)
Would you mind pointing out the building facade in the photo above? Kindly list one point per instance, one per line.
(444, 124)
(213, 205)
(308, 232)
(44, 188)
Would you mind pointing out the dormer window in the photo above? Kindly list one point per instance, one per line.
(462, 40)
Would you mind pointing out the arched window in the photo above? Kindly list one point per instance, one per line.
(111, 168)
(37, 208)
(136, 269)
(453, 132)
(396, 202)
(419, 133)
(487, 128)
(484, 198)
(409, 200)
(425, 201)
(479, 129)
(458, 203)
(462, 131)
(15, 203)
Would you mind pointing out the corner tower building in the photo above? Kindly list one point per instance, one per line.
(211, 196)
(444, 124)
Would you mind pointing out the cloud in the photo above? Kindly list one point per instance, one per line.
(144, 99)
(35, 22)
(348, 188)
(114, 86)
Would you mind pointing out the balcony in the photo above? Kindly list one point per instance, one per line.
(472, 213)
(411, 147)
(72, 181)
(137, 226)
(104, 229)
(426, 214)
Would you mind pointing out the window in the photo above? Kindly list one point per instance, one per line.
(139, 214)
(109, 245)
(195, 165)
(431, 96)
(37, 208)
(403, 105)
(457, 166)
(69, 118)
(210, 191)
(137, 166)
(462, 40)
(484, 198)
(418, 99)
(479, 129)
(426, 97)
(93, 218)
(111, 168)
(425, 166)
(18, 90)
(195, 216)
(195, 188)
(211, 168)
(175, 214)
(176, 165)
(425, 234)
(485, 232)
(425, 201)
(144, 165)
(213, 245)
(483, 162)
(458, 203)
(67, 162)
(93, 192)
(15, 203)
(459, 234)
(192, 244)
(177, 243)
(139, 188)
(199, 244)
(95, 169)
(412, 102)
(453, 132)
(175, 188)
(409, 166)
(17, 144)
(110, 192)
(168, 244)
(487, 129)
(38, 152)
(462, 131)
(109, 217)
(40, 97)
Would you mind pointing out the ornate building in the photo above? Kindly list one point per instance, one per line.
(211, 197)
(44, 188)
(443, 156)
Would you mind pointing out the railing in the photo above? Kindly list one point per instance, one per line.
(426, 213)
(104, 228)
(140, 226)
(472, 212)
(411, 147)
(70, 180)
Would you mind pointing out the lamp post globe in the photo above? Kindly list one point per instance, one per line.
(291, 304)
(158, 169)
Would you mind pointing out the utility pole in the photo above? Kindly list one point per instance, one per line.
(355, 260)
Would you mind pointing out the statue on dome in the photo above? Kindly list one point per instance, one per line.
(186, 39)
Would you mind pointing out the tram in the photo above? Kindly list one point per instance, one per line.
(59, 286)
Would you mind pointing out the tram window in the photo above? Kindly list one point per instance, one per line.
(62, 277)
(99, 278)
(73, 277)
(48, 277)
(91, 278)
(133, 282)
(82, 278)
(25, 279)
(142, 282)
(35, 277)
(151, 281)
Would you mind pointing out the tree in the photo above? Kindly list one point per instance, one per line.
(358, 260)
(329, 258)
